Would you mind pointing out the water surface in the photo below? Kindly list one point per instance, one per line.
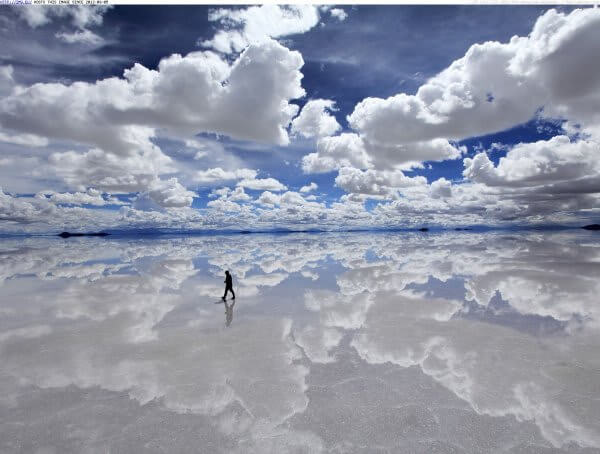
(358, 342)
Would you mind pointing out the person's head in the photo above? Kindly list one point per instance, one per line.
(227, 272)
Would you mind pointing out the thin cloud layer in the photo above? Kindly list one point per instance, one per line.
(80, 16)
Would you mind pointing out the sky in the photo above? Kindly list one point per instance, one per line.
(298, 117)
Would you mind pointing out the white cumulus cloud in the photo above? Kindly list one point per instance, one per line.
(338, 13)
(218, 175)
(310, 187)
(89, 197)
(262, 184)
(496, 86)
(118, 118)
(375, 182)
(315, 119)
(257, 24)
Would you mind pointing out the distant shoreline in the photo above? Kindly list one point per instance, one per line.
(425, 230)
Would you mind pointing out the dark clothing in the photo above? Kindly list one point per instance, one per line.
(228, 286)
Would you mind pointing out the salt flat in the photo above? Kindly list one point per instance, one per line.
(355, 342)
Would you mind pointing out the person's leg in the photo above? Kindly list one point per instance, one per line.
(231, 288)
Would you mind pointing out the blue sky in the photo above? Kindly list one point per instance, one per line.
(197, 117)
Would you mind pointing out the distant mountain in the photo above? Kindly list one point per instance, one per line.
(591, 227)
(69, 234)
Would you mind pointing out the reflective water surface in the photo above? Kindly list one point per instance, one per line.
(388, 342)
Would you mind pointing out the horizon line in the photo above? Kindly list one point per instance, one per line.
(195, 232)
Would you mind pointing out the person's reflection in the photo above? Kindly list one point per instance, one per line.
(228, 313)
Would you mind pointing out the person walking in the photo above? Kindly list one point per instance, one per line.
(228, 285)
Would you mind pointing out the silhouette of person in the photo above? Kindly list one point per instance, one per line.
(228, 285)
(228, 313)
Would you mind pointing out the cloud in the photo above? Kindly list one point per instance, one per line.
(429, 204)
(441, 188)
(225, 206)
(315, 119)
(268, 198)
(375, 182)
(413, 155)
(7, 81)
(81, 16)
(152, 216)
(20, 211)
(345, 150)
(262, 184)
(351, 150)
(495, 86)
(311, 187)
(290, 205)
(109, 171)
(294, 198)
(544, 162)
(196, 93)
(83, 37)
(90, 197)
(26, 140)
(130, 132)
(238, 195)
(218, 175)
(35, 16)
(170, 194)
(257, 24)
(117, 118)
(338, 13)
(39, 214)
(228, 199)
(220, 193)
(543, 178)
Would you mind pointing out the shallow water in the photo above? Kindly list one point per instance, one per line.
(386, 342)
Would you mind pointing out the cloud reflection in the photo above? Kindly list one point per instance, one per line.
(317, 318)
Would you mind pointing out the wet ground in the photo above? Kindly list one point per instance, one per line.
(358, 342)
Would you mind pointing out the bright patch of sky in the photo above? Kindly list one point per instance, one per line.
(302, 117)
